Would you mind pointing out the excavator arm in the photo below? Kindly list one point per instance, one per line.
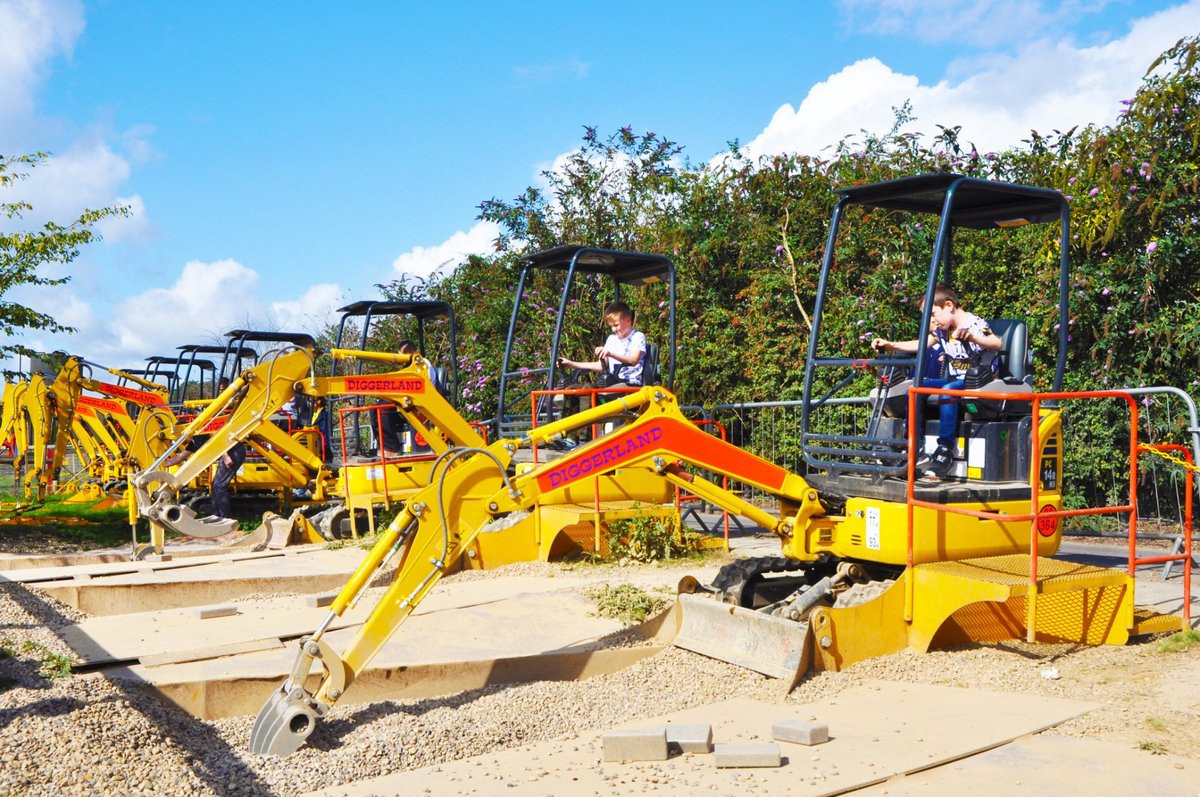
(259, 393)
(251, 399)
(469, 491)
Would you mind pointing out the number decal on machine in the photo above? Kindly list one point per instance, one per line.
(873, 528)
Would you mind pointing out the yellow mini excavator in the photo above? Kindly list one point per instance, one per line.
(871, 561)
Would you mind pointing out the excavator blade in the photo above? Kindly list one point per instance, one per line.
(769, 645)
(283, 724)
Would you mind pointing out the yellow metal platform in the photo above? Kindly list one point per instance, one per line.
(986, 600)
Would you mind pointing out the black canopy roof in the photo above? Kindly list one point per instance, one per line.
(296, 338)
(244, 351)
(979, 204)
(424, 310)
(632, 268)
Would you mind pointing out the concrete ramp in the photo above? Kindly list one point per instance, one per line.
(128, 587)
(877, 731)
(465, 635)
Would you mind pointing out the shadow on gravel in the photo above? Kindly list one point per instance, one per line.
(330, 732)
(53, 707)
(200, 742)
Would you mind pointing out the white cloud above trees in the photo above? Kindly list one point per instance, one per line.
(424, 261)
(1043, 85)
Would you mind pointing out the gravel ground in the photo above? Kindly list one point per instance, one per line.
(85, 734)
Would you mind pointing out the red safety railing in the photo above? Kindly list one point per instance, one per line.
(1035, 516)
(1189, 466)
(592, 393)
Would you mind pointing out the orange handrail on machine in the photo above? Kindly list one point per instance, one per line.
(1036, 516)
(1185, 556)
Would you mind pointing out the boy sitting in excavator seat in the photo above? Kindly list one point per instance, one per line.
(961, 336)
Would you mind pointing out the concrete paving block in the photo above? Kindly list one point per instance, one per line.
(318, 601)
(800, 732)
(642, 744)
(690, 738)
(747, 755)
(208, 612)
(157, 557)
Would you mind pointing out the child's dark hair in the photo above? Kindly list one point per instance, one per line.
(941, 295)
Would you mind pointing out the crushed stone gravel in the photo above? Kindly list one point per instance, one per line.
(87, 734)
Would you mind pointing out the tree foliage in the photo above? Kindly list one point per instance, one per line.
(25, 254)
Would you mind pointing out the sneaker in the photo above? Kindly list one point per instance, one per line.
(939, 464)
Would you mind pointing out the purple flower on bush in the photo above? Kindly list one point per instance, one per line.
(1106, 292)
(1093, 192)
(779, 249)
(1152, 247)
(1071, 181)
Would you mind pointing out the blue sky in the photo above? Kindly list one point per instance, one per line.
(281, 158)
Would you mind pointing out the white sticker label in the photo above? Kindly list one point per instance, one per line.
(873, 528)
(374, 473)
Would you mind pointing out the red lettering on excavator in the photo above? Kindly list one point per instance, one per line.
(376, 384)
(104, 405)
(129, 394)
(672, 439)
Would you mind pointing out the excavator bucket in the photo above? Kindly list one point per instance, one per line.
(176, 517)
(770, 645)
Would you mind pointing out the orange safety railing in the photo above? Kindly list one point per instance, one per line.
(383, 458)
(1185, 556)
(1036, 517)
(592, 393)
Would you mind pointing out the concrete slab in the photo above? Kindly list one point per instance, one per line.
(1048, 765)
(883, 728)
(127, 588)
(131, 637)
(465, 635)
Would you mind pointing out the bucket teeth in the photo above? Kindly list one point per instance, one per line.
(284, 722)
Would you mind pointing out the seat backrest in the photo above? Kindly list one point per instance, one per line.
(440, 381)
(1015, 359)
(650, 365)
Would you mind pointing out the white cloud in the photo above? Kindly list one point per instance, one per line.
(312, 312)
(86, 176)
(31, 33)
(423, 261)
(86, 169)
(1044, 86)
(206, 300)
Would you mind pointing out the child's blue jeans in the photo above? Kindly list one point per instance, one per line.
(947, 410)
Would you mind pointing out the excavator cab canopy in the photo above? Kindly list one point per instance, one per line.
(948, 203)
(209, 373)
(619, 272)
(426, 313)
